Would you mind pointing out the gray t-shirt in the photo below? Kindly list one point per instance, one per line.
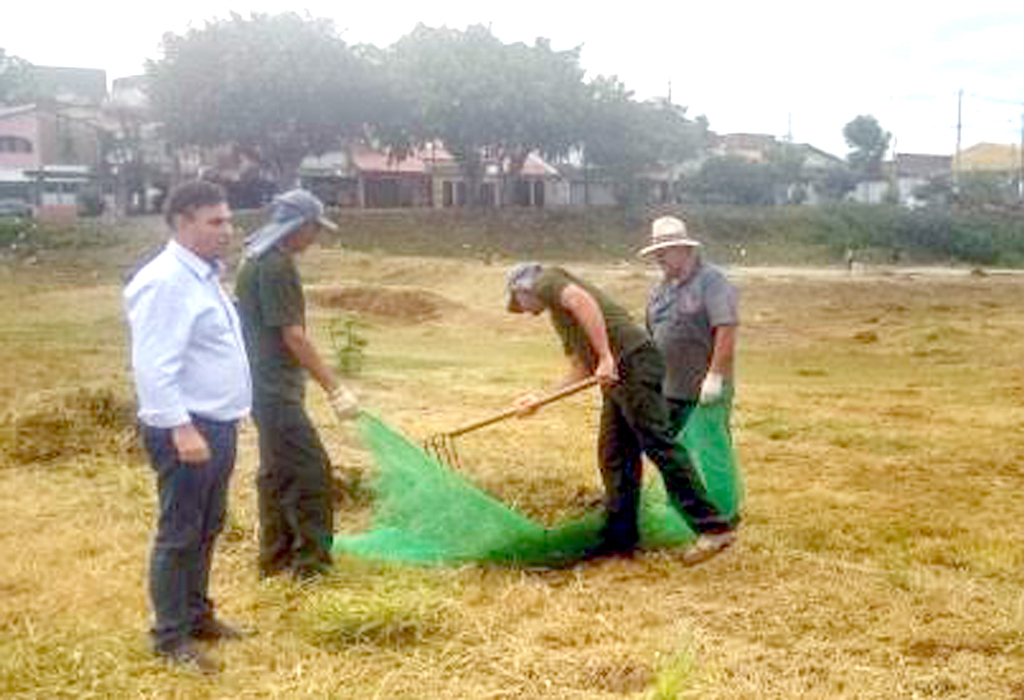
(681, 317)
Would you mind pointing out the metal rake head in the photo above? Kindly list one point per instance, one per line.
(444, 449)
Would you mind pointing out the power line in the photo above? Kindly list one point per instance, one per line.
(997, 100)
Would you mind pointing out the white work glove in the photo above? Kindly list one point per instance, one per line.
(344, 403)
(711, 388)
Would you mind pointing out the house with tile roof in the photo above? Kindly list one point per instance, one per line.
(991, 158)
(903, 178)
(365, 177)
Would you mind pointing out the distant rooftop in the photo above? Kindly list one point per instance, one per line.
(78, 85)
(923, 165)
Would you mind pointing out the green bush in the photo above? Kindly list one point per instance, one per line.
(732, 234)
(757, 235)
(14, 232)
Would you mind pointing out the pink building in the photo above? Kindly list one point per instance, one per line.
(48, 153)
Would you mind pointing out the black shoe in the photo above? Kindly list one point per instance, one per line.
(214, 630)
(188, 655)
(608, 549)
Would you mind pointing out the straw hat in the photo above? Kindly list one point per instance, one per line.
(668, 232)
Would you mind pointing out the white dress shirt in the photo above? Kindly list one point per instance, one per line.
(188, 355)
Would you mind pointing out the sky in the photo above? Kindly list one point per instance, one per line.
(787, 68)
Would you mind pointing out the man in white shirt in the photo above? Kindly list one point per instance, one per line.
(193, 385)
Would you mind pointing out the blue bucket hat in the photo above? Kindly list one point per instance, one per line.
(520, 277)
(288, 212)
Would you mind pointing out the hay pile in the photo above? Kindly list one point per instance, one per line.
(400, 304)
(55, 425)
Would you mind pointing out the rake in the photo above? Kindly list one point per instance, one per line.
(444, 446)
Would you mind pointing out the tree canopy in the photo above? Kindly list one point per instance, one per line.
(478, 95)
(869, 143)
(15, 77)
(734, 180)
(283, 86)
(627, 138)
(286, 86)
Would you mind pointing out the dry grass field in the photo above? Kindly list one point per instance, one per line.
(879, 418)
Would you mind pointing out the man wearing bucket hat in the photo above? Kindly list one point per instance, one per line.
(296, 511)
(692, 314)
(600, 339)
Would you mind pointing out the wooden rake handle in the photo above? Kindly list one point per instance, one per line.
(509, 412)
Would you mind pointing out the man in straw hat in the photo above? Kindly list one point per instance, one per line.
(296, 511)
(692, 314)
(600, 339)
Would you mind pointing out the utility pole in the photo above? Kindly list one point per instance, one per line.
(1020, 161)
(894, 174)
(959, 128)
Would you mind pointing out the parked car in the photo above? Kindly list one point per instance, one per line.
(16, 208)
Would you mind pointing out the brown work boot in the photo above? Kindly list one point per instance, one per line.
(708, 544)
(310, 573)
(189, 655)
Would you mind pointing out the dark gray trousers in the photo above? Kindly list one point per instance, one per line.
(192, 507)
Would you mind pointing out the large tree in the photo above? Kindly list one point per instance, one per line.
(869, 142)
(625, 138)
(282, 86)
(735, 180)
(15, 78)
(484, 99)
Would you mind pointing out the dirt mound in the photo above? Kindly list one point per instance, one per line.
(401, 304)
(54, 425)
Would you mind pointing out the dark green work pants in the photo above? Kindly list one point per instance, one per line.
(296, 511)
(635, 421)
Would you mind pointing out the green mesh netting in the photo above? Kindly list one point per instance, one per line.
(426, 513)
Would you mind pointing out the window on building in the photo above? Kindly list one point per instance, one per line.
(68, 149)
(538, 193)
(522, 193)
(487, 194)
(15, 144)
(382, 193)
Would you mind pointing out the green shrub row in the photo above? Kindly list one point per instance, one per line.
(753, 235)
(792, 235)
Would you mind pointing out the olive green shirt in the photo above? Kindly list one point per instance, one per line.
(624, 336)
(269, 298)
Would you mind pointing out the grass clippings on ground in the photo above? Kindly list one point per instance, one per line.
(880, 555)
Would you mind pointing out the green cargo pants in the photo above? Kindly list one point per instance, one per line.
(635, 421)
(296, 510)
